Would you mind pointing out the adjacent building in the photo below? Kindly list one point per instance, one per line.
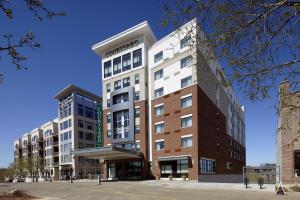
(166, 112)
(77, 118)
(288, 134)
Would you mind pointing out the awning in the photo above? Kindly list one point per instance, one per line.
(170, 158)
(107, 153)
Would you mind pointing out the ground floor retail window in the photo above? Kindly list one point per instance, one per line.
(176, 168)
(297, 163)
(207, 166)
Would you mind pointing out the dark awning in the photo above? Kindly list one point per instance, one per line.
(169, 158)
(107, 153)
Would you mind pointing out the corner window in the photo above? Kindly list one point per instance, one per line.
(159, 145)
(186, 62)
(126, 59)
(159, 56)
(159, 74)
(126, 82)
(137, 79)
(159, 110)
(186, 122)
(107, 69)
(186, 41)
(207, 166)
(159, 128)
(117, 65)
(159, 92)
(117, 85)
(137, 58)
(186, 141)
(120, 98)
(186, 82)
(186, 102)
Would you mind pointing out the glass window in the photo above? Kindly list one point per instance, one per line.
(159, 110)
(138, 146)
(120, 98)
(186, 141)
(207, 166)
(137, 112)
(126, 82)
(108, 118)
(159, 56)
(137, 129)
(137, 95)
(137, 58)
(126, 59)
(80, 134)
(186, 82)
(80, 109)
(108, 103)
(160, 145)
(186, 41)
(137, 79)
(89, 112)
(108, 87)
(107, 69)
(186, 122)
(89, 136)
(159, 128)
(159, 92)
(117, 65)
(117, 85)
(109, 133)
(186, 62)
(80, 123)
(186, 102)
(159, 74)
(89, 125)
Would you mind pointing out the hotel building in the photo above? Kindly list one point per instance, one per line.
(166, 112)
(288, 144)
(77, 118)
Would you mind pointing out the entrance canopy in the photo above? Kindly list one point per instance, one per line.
(107, 153)
(170, 158)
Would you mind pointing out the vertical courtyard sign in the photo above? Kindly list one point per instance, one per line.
(99, 126)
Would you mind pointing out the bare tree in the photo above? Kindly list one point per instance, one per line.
(11, 47)
(258, 41)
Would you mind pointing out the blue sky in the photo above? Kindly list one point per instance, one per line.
(26, 97)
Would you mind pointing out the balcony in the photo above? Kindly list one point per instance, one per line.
(55, 143)
(55, 154)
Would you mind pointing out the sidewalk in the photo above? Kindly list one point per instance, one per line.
(209, 186)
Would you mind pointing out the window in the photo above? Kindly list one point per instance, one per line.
(137, 146)
(80, 123)
(107, 69)
(186, 101)
(159, 56)
(108, 87)
(126, 82)
(159, 128)
(137, 95)
(80, 134)
(108, 133)
(186, 41)
(89, 125)
(159, 110)
(159, 74)
(126, 59)
(117, 85)
(186, 141)
(159, 92)
(207, 166)
(186, 122)
(186, 82)
(117, 65)
(66, 124)
(186, 62)
(80, 109)
(137, 112)
(137, 58)
(137, 79)
(159, 145)
(89, 112)
(137, 129)
(120, 98)
(120, 124)
(108, 118)
(108, 103)
(89, 136)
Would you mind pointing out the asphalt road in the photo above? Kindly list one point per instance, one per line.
(135, 191)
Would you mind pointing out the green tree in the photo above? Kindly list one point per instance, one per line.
(13, 48)
(258, 41)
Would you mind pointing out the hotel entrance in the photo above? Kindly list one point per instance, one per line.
(126, 170)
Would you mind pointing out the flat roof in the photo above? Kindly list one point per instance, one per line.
(135, 31)
(107, 153)
(71, 88)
